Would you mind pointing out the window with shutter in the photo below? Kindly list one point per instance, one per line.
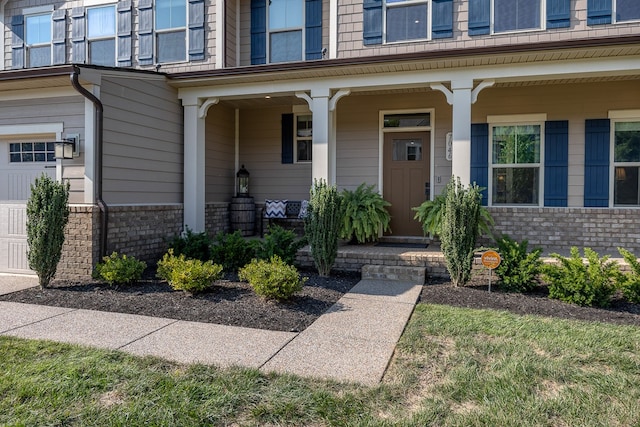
(171, 30)
(101, 35)
(626, 10)
(503, 16)
(626, 162)
(38, 39)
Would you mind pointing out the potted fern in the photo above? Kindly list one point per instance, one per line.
(365, 214)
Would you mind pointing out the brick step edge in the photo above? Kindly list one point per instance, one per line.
(394, 273)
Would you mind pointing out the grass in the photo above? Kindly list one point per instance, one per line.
(452, 367)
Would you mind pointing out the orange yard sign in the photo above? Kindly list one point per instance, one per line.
(491, 259)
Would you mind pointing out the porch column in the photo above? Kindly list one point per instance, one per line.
(194, 176)
(320, 164)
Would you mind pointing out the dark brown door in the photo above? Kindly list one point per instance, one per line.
(405, 178)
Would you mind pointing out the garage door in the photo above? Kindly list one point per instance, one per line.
(20, 164)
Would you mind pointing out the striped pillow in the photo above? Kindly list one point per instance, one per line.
(275, 208)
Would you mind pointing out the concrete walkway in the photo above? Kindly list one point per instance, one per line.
(353, 341)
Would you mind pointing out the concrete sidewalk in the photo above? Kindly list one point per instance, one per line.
(353, 341)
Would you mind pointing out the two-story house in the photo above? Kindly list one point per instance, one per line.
(537, 101)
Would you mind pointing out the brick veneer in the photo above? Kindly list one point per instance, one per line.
(601, 229)
(81, 249)
(217, 218)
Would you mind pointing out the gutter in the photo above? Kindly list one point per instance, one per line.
(99, 116)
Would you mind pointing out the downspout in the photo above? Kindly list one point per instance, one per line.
(99, 114)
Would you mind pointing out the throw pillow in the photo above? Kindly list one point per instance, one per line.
(275, 208)
(304, 206)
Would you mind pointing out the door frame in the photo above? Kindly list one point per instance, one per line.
(382, 131)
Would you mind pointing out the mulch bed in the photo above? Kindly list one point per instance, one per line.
(231, 302)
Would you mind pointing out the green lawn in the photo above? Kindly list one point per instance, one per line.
(453, 367)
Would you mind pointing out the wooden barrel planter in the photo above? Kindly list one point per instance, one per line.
(243, 215)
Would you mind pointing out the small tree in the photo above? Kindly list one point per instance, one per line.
(47, 216)
(460, 229)
(322, 225)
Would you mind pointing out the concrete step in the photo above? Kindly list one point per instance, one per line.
(415, 275)
(405, 239)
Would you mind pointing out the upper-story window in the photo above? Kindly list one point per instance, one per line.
(627, 10)
(406, 20)
(286, 22)
(171, 30)
(612, 11)
(516, 15)
(101, 35)
(38, 39)
(392, 21)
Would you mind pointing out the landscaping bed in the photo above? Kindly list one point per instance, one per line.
(231, 302)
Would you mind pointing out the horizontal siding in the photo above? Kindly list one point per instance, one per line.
(143, 139)
(260, 152)
(220, 154)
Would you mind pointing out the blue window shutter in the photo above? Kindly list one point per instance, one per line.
(480, 157)
(479, 17)
(558, 13)
(556, 162)
(17, 42)
(442, 25)
(124, 33)
(78, 42)
(372, 22)
(596, 162)
(599, 12)
(196, 30)
(59, 36)
(145, 32)
(313, 29)
(287, 138)
(258, 32)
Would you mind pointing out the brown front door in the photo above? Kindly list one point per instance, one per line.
(405, 178)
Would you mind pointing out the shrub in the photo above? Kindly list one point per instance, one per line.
(518, 269)
(119, 269)
(281, 242)
(233, 251)
(322, 225)
(272, 279)
(365, 214)
(431, 215)
(460, 229)
(47, 216)
(192, 245)
(631, 281)
(190, 275)
(571, 280)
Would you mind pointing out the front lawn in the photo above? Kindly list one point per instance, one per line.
(453, 367)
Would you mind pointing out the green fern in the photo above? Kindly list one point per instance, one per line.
(365, 214)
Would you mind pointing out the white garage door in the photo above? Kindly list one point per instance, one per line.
(20, 164)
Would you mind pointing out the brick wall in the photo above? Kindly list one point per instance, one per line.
(81, 245)
(560, 228)
(217, 218)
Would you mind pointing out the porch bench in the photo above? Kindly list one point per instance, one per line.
(289, 219)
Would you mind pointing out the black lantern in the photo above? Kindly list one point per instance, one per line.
(243, 182)
(64, 149)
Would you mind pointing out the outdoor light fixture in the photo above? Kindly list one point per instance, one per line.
(66, 148)
(243, 182)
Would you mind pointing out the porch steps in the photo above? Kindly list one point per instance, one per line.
(414, 240)
(416, 275)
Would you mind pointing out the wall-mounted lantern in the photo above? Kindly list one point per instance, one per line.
(66, 148)
(243, 182)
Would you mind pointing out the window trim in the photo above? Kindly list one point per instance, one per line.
(517, 120)
(614, 15)
(619, 116)
(429, 19)
(286, 30)
(33, 12)
(114, 37)
(157, 32)
(543, 20)
(297, 138)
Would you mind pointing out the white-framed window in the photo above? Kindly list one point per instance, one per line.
(517, 15)
(407, 20)
(516, 163)
(101, 35)
(38, 39)
(285, 30)
(171, 30)
(303, 137)
(31, 152)
(626, 161)
(626, 10)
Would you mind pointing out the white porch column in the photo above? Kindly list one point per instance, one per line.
(320, 165)
(194, 175)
